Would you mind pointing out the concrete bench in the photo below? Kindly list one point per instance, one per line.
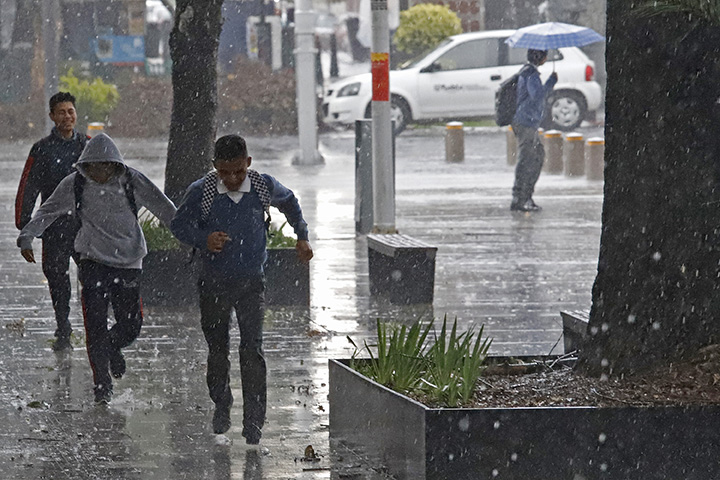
(401, 268)
(575, 324)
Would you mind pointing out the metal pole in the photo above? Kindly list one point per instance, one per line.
(51, 17)
(305, 81)
(383, 178)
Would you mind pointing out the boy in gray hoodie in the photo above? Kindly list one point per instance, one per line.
(104, 195)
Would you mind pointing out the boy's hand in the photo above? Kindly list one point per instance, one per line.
(216, 241)
(28, 255)
(554, 76)
(304, 250)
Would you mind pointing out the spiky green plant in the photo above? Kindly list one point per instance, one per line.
(277, 239)
(454, 365)
(446, 371)
(158, 237)
(708, 10)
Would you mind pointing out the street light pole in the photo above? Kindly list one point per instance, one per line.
(51, 15)
(383, 175)
(305, 84)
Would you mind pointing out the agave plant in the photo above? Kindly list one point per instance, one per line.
(708, 10)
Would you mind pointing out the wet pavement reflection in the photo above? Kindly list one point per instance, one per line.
(512, 272)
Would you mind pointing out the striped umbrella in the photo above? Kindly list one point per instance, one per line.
(545, 36)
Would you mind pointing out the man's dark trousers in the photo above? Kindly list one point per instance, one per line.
(531, 155)
(217, 300)
(104, 285)
(57, 249)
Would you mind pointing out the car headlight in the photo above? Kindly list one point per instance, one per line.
(349, 90)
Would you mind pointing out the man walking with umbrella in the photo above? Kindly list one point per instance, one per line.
(531, 97)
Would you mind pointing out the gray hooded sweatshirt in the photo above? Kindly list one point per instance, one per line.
(110, 233)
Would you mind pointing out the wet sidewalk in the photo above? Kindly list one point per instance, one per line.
(511, 272)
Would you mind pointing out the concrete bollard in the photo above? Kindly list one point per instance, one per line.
(511, 146)
(553, 152)
(454, 142)
(574, 155)
(595, 158)
(94, 128)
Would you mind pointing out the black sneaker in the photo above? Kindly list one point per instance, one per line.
(103, 394)
(528, 206)
(221, 418)
(252, 435)
(117, 363)
(62, 343)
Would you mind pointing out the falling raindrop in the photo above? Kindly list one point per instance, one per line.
(602, 437)
(464, 424)
(631, 318)
(496, 425)
(656, 256)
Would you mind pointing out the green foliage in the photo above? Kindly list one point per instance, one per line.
(706, 9)
(277, 239)
(455, 365)
(94, 99)
(400, 355)
(447, 374)
(158, 237)
(424, 26)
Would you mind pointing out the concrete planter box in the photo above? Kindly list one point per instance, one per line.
(169, 278)
(412, 441)
(287, 279)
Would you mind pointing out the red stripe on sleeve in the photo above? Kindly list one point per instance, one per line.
(21, 191)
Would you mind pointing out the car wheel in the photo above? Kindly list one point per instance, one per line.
(399, 113)
(566, 110)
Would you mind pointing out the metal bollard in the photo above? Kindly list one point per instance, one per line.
(511, 146)
(595, 158)
(553, 152)
(94, 128)
(454, 142)
(574, 155)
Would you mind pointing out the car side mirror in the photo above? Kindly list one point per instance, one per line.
(433, 67)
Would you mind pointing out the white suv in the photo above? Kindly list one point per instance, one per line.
(459, 78)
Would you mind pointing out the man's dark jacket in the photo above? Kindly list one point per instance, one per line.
(50, 160)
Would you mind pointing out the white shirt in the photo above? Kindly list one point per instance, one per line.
(236, 195)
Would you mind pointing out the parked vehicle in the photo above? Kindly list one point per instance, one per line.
(458, 80)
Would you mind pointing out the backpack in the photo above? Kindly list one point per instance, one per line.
(79, 185)
(506, 99)
(210, 192)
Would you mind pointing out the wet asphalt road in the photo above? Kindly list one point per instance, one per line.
(511, 272)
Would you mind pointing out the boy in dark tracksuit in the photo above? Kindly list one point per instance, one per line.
(50, 160)
(104, 195)
(223, 215)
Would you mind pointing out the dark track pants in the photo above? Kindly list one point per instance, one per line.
(104, 285)
(57, 249)
(217, 300)
(531, 155)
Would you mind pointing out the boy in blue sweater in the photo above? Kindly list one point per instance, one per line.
(223, 216)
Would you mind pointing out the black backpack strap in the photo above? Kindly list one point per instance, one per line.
(130, 192)
(78, 186)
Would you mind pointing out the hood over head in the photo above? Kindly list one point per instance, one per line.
(100, 148)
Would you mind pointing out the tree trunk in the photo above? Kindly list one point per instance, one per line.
(655, 298)
(193, 47)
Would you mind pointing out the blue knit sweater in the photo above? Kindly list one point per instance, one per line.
(531, 96)
(244, 255)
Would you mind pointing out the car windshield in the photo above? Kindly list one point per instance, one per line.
(414, 61)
